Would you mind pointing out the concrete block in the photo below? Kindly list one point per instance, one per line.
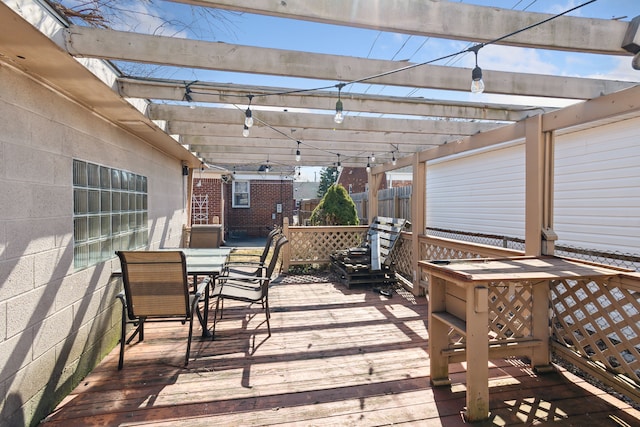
(53, 265)
(29, 309)
(51, 331)
(15, 354)
(16, 276)
(3, 321)
(35, 377)
(71, 289)
(29, 236)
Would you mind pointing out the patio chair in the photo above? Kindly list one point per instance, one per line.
(248, 288)
(370, 263)
(241, 263)
(205, 236)
(156, 289)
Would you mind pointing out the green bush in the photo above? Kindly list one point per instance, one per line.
(335, 208)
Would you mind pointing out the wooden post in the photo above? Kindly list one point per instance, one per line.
(477, 363)
(438, 333)
(286, 250)
(534, 185)
(418, 218)
(374, 185)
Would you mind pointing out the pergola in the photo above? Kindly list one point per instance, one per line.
(65, 100)
(207, 116)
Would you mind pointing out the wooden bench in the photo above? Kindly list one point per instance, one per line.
(370, 263)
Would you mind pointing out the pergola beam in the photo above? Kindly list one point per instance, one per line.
(449, 20)
(218, 93)
(128, 46)
(387, 139)
(288, 120)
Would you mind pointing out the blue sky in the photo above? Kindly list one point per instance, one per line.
(264, 31)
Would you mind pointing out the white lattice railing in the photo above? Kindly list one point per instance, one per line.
(313, 245)
(596, 325)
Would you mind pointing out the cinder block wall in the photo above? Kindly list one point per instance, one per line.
(57, 322)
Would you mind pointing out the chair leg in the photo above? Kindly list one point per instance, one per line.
(268, 313)
(123, 336)
(215, 318)
(186, 358)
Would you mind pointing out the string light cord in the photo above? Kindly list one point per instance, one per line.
(475, 48)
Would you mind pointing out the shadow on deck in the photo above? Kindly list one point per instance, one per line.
(336, 356)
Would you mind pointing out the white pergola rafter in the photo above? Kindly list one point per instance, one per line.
(152, 49)
(218, 93)
(446, 19)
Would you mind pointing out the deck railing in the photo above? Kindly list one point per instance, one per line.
(595, 324)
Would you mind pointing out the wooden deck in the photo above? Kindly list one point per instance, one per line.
(336, 357)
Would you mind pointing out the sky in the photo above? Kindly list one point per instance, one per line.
(179, 20)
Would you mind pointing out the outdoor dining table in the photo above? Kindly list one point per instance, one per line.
(473, 297)
(208, 262)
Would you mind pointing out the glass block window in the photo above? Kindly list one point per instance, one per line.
(241, 194)
(109, 212)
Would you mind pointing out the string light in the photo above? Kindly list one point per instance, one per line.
(266, 169)
(248, 119)
(187, 95)
(477, 85)
(339, 117)
(339, 164)
(298, 152)
(373, 158)
(199, 183)
(393, 158)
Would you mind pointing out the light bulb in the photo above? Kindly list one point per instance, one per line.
(248, 120)
(297, 155)
(393, 159)
(339, 117)
(477, 85)
(245, 131)
(373, 157)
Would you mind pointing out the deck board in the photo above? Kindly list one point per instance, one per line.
(336, 356)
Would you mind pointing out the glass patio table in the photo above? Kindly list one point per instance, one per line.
(204, 262)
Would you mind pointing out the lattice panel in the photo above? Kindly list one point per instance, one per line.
(402, 256)
(433, 252)
(310, 248)
(600, 322)
(510, 316)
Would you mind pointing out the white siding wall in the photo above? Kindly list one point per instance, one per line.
(597, 190)
(55, 321)
(483, 193)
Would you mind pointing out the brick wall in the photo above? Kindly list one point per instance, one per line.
(257, 220)
(212, 187)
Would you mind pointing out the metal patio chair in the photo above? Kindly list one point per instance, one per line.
(247, 288)
(156, 289)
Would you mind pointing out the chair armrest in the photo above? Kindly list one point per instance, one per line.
(202, 286)
(122, 298)
(245, 277)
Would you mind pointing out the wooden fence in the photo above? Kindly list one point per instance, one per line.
(392, 202)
